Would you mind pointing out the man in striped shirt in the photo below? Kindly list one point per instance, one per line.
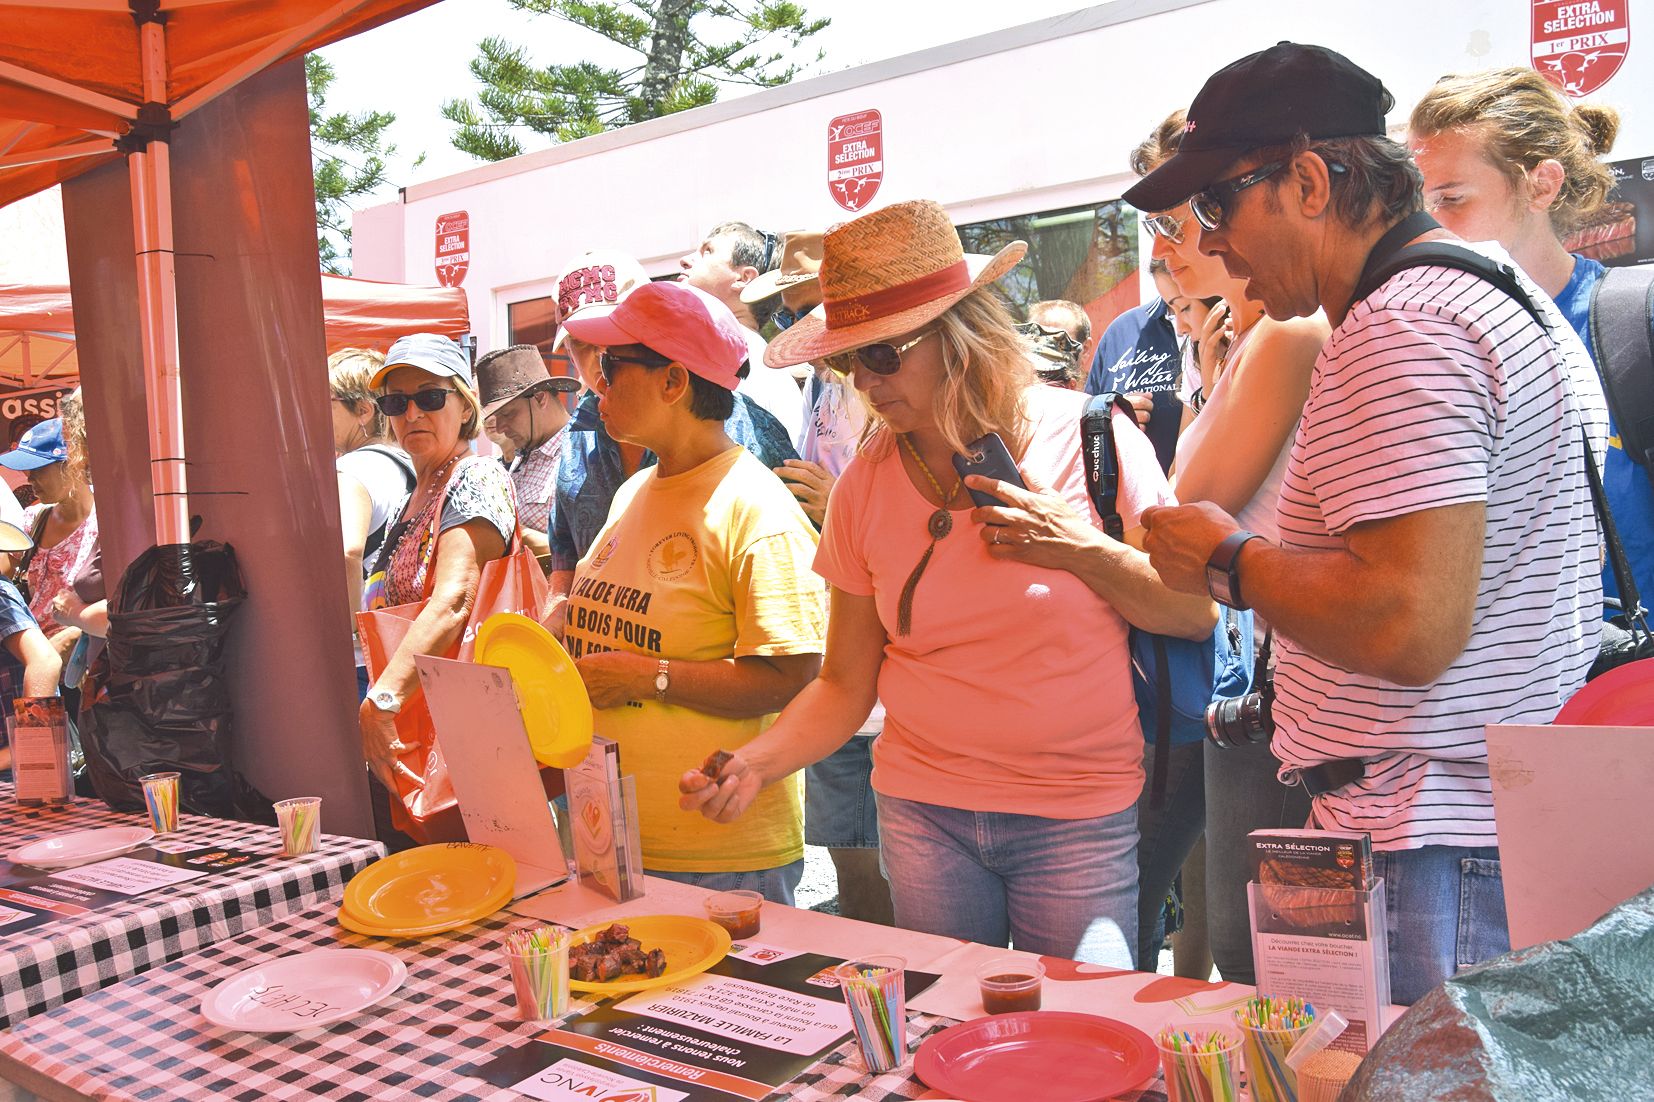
(1438, 563)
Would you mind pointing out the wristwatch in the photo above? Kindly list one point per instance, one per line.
(1222, 572)
(386, 700)
(663, 678)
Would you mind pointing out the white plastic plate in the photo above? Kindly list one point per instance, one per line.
(80, 847)
(304, 991)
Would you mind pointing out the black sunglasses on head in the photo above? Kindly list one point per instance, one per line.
(882, 358)
(429, 399)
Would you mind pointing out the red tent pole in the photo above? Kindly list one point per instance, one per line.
(151, 174)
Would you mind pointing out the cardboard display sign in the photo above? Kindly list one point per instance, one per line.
(1580, 44)
(453, 247)
(855, 159)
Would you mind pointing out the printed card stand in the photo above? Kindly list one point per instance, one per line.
(38, 733)
(1327, 946)
(608, 850)
(492, 768)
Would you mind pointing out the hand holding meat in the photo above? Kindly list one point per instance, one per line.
(721, 789)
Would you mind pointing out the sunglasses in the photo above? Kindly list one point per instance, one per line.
(1207, 206)
(1168, 226)
(429, 400)
(608, 364)
(882, 358)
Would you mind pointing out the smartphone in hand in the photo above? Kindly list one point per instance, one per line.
(990, 458)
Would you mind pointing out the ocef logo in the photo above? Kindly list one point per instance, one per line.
(1580, 44)
(855, 159)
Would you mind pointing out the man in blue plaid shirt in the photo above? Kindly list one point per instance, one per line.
(29, 666)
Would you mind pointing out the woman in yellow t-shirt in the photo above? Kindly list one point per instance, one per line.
(694, 617)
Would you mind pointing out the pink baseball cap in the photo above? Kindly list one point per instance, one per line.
(676, 320)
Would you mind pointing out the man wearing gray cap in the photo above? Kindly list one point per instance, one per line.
(519, 402)
(1437, 566)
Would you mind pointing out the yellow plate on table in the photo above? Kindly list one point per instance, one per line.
(422, 889)
(356, 925)
(557, 713)
(691, 945)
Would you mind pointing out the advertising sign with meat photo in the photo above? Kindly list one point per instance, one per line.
(1621, 231)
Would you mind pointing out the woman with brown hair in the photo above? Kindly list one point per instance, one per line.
(1008, 771)
(1507, 157)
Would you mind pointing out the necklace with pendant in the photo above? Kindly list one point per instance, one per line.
(939, 525)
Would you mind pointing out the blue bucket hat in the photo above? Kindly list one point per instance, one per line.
(40, 447)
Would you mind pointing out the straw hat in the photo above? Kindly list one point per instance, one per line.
(800, 263)
(885, 274)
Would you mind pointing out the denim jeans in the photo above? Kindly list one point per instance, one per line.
(1445, 906)
(1057, 887)
(776, 885)
(1165, 838)
(839, 811)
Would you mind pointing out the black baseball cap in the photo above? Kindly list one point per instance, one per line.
(1267, 98)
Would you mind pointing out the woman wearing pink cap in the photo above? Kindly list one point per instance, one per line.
(1008, 772)
(693, 617)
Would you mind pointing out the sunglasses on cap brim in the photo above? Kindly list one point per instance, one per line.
(429, 400)
(881, 358)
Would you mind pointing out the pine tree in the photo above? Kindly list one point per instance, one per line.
(348, 153)
(686, 49)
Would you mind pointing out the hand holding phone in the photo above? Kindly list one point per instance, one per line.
(990, 458)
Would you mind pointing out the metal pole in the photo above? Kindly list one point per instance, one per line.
(151, 177)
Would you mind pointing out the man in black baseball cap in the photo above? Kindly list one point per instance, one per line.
(1436, 569)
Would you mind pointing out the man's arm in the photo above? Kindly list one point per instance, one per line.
(1396, 602)
(42, 667)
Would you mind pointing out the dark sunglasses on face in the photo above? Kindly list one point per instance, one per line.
(430, 400)
(882, 358)
(1207, 206)
(608, 364)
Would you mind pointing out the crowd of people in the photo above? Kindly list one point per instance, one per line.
(770, 548)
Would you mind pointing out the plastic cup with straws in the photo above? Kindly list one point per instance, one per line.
(539, 962)
(161, 798)
(1269, 1028)
(875, 992)
(300, 820)
(1200, 1065)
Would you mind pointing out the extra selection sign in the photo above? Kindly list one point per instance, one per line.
(855, 159)
(453, 247)
(1580, 44)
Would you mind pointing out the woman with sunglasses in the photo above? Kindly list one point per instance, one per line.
(460, 516)
(1233, 454)
(1008, 771)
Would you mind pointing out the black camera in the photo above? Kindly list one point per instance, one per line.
(1246, 720)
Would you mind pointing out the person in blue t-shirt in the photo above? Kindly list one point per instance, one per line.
(1139, 356)
(29, 665)
(1507, 157)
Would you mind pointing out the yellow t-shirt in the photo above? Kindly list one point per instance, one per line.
(709, 564)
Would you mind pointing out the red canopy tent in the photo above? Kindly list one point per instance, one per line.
(37, 323)
(85, 81)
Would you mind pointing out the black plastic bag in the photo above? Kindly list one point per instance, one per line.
(161, 703)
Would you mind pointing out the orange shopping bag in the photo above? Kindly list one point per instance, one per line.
(428, 810)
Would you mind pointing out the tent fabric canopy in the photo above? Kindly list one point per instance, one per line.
(72, 76)
(37, 324)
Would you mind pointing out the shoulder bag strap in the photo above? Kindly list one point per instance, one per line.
(1622, 334)
(37, 530)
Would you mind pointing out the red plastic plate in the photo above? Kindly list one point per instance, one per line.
(1051, 1054)
(1622, 697)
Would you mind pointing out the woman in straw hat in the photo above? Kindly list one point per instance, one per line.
(1009, 768)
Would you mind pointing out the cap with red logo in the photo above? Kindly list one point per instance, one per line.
(596, 278)
(680, 322)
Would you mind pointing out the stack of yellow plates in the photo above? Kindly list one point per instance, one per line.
(428, 890)
(557, 713)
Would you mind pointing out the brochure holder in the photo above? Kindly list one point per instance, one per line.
(38, 734)
(608, 849)
(1327, 946)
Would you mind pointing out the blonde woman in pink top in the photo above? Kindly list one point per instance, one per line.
(1011, 760)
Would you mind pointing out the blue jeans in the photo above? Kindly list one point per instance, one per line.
(1445, 906)
(839, 811)
(1057, 887)
(1166, 837)
(776, 885)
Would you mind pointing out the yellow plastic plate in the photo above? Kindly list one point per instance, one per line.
(557, 713)
(418, 889)
(692, 945)
(356, 925)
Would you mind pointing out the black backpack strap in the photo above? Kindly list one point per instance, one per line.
(1445, 254)
(1622, 335)
(1101, 460)
(1636, 617)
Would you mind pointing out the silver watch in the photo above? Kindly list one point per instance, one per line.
(386, 700)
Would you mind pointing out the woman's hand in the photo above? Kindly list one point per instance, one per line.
(811, 484)
(1215, 336)
(67, 607)
(381, 744)
(723, 800)
(1035, 525)
(615, 678)
(1142, 408)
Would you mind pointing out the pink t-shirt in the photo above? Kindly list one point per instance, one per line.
(1013, 692)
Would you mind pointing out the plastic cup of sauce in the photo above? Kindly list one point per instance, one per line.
(1010, 984)
(738, 912)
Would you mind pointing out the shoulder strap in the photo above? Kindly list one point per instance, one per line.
(397, 456)
(1101, 460)
(1622, 335)
(36, 530)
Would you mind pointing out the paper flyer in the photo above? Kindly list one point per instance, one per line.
(738, 1031)
(31, 897)
(1327, 947)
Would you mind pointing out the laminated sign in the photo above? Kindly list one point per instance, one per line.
(1580, 44)
(453, 247)
(855, 158)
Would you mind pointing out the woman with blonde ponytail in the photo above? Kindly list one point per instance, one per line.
(1507, 157)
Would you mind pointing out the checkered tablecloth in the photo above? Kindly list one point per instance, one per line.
(50, 964)
(146, 1039)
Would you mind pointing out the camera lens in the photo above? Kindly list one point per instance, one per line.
(1239, 721)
